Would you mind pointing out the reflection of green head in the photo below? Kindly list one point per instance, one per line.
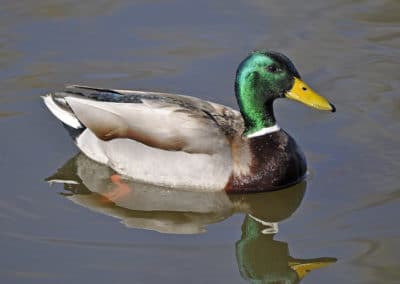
(262, 259)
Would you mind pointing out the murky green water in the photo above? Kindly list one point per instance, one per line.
(338, 227)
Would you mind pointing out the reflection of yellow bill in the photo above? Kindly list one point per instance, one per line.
(302, 269)
(301, 92)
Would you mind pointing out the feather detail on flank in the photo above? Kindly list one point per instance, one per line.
(241, 156)
(265, 130)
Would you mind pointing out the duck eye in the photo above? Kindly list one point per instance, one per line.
(273, 68)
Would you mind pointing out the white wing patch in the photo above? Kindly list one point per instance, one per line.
(63, 115)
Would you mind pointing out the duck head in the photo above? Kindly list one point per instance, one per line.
(264, 76)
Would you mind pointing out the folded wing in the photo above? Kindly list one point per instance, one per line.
(165, 121)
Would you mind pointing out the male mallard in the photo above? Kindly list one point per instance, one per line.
(185, 142)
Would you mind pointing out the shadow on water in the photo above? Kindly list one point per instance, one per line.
(260, 258)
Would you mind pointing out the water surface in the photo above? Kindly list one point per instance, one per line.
(346, 210)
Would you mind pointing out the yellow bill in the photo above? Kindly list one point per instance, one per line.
(301, 92)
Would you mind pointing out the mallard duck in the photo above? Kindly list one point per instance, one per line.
(185, 142)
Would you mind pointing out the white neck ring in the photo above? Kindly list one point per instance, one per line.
(265, 130)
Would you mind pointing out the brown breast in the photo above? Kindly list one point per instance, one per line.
(276, 162)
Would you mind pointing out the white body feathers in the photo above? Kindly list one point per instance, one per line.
(157, 166)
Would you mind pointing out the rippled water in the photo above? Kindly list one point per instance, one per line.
(340, 225)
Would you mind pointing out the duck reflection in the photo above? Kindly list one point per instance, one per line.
(261, 259)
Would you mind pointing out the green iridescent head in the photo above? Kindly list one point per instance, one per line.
(264, 76)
